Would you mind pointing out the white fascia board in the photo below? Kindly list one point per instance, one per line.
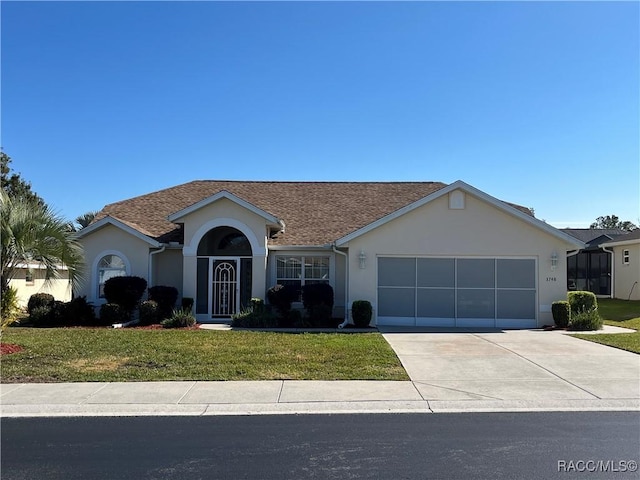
(299, 247)
(229, 196)
(460, 185)
(620, 243)
(103, 222)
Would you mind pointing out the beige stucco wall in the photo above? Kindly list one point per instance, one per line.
(480, 229)
(112, 240)
(167, 269)
(59, 287)
(627, 277)
(224, 212)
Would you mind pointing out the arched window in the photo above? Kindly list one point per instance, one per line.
(109, 266)
(224, 241)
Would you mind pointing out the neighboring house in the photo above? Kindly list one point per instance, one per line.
(423, 253)
(31, 278)
(590, 269)
(626, 265)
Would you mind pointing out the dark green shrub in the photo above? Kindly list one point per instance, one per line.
(79, 312)
(179, 319)
(586, 320)
(165, 297)
(281, 297)
(58, 316)
(561, 312)
(256, 305)
(317, 299)
(149, 312)
(255, 316)
(187, 303)
(111, 313)
(40, 316)
(39, 300)
(361, 313)
(582, 301)
(125, 291)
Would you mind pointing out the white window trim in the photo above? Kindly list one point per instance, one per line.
(626, 256)
(282, 253)
(95, 272)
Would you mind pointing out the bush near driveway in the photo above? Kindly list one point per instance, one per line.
(620, 313)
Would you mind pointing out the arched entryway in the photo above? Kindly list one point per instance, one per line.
(224, 267)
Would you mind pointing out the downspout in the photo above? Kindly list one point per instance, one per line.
(346, 286)
(613, 270)
(150, 273)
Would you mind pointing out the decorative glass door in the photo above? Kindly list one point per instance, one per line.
(224, 297)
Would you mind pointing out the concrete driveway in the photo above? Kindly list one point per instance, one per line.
(515, 367)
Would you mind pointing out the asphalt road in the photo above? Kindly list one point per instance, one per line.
(597, 445)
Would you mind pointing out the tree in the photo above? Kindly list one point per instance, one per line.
(13, 184)
(85, 219)
(32, 233)
(612, 221)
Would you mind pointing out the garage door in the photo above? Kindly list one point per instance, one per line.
(462, 292)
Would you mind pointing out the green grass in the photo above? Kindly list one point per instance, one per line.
(619, 313)
(115, 355)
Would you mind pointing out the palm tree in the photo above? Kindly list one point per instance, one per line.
(33, 233)
(85, 219)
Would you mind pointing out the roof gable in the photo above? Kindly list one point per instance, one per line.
(136, 230)
(460, 185)
(174, 217)
(629, 239)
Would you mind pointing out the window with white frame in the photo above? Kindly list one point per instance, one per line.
(109, 266)
(625, 257)
(302, 270)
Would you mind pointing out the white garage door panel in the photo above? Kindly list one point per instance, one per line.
(465, 292)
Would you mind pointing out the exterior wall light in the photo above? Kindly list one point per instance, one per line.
(363, 259)
(554, 260)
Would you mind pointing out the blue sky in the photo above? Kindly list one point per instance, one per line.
(536, 103)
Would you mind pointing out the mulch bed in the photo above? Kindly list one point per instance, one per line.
(8, 348)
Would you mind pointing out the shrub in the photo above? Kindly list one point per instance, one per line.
(255, 316)
(361, 313)
(281, 297)
(40, 316)
(9, 307)
(586, 320)
(111, 313)
(39, 300)
(317, 299)
(561, 312)
(179, 319)
(125, 291)
(582, 301)
(79, 312)
(165, 297)
(149, 312)
(187, 303)
(58, 316)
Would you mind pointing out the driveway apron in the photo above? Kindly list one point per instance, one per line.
(518, 365)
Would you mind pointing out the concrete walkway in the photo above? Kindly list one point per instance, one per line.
(458, 371)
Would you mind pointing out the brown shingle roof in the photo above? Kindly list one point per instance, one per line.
(315, 213)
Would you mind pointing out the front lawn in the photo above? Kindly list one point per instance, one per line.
(620, 313)
(116, 355)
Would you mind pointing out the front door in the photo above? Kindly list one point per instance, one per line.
(225, 298)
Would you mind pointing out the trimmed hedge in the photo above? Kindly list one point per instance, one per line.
(361, 313)
(581, 301)
(561, 312)
(165, 297)
(149, 312)
(586, 320)
(125, 291)
(317, 299)
(281, 297)
(38, 300)
(111, 313)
